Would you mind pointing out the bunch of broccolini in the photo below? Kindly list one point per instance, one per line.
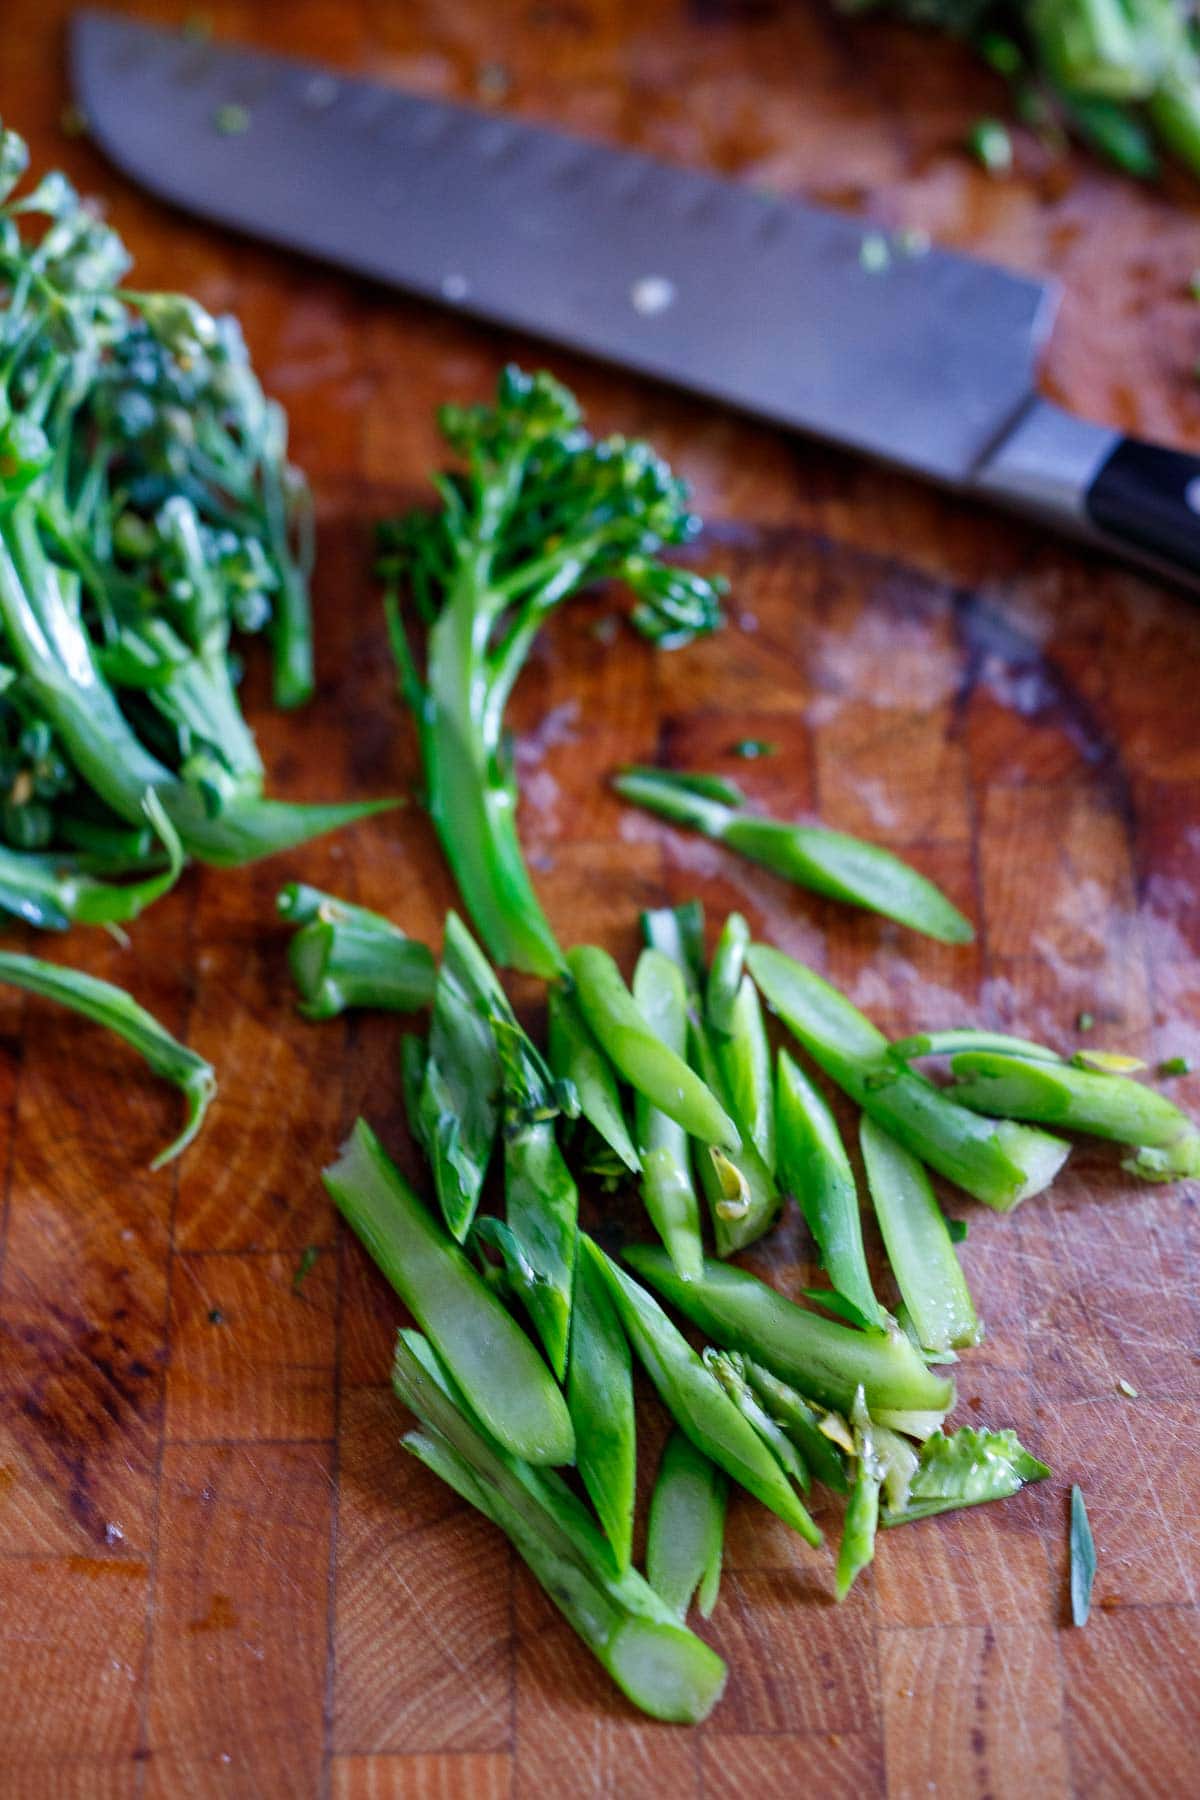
(1117, 74)
(148, 518)
(670, 1083)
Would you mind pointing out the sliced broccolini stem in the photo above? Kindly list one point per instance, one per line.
(511, 1388)
(815, 1169)
(829, 862)
(457, 1110)
(110, 1006)
(637, 1054)
(667, 1189)
(686, 1527)
(969, 1037)
(575, 1056)
(824, 1360)
(742, 1197)
(656, 1662)
(803, 1423)
(600, 1398)
(744, 1058)
(1107, 1106)
(696, 1400)
(727, 1366)
(920, 1250)
(343, 955)
(857, 1549)
(999, 1162)
(678, 931)
(725, 975)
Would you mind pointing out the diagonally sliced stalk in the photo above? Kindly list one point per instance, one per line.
(823, 1359)
(857, 1548)
(686, 1528)
(343, 955)
(802, 1423)
(458, 1111)
(678, 931)
(728, 1368)
(997, 1161)
(600, 1396)
(829, 862)
(920, 1250)
(814, 1167)
(1107, 1106)
(541, 1204)
(575, 1056)
(725, 976)
(742, 1197)
(636, 1053)
(511, 1388)
(667, 1190)
(696, 1400)
(113, 1008)
(969, 1037)
(660, 1666)
(744, 1058)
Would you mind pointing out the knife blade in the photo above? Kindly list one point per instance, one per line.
(786, 311)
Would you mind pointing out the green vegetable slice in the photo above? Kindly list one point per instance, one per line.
(685, 1531)
(918, 1243)
(696, 1400)
(343, 956)
(510, 1386)
(659, 1665)
(829, 862)
(999, 1162)
(824, 1360)
(600, 1396)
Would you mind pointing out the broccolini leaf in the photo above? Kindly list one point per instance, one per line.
(965, 1468)
(1083, 1559)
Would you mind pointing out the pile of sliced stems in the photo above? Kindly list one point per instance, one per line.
(530, 1331)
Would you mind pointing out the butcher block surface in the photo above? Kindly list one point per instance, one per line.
(220, 1574)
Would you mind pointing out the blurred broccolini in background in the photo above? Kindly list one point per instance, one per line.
(1117, 74)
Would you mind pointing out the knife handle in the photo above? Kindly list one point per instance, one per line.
(1148, 498)
(1136, 500)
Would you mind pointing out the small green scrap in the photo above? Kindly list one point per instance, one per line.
(1083, 1560)
(750, 749)
(1085, 1021)
(1174, 1065)
(991, 146)
(958, 1229)
(232, 120)
(304, 1266)
(1127, 1388)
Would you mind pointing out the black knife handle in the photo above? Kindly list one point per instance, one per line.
(1148, 498)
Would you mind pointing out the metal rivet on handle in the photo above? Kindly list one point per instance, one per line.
(652, 294)
(1191, 495)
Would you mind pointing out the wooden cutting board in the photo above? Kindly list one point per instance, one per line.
(220, 1576)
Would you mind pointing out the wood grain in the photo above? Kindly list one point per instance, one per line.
(221, 1576)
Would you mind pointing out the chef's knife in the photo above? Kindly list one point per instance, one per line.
(798, 315)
